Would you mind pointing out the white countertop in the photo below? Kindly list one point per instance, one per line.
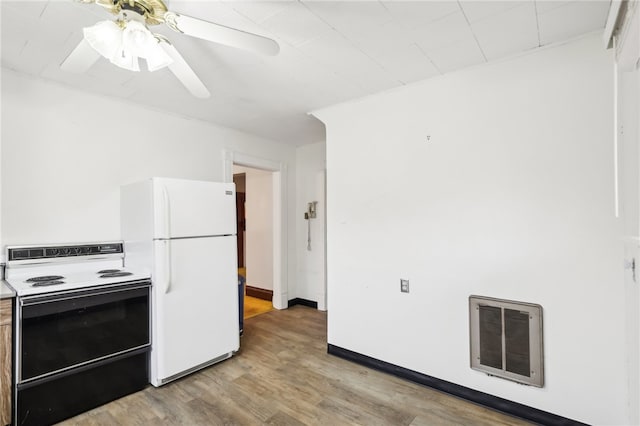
(6, 291)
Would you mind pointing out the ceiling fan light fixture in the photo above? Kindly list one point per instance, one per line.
(137, 39)
(123, 42)
(126, 60)
(105, 37)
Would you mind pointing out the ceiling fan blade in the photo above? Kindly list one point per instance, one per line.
(183, 71)
(108, 4)
(81, 58)
(220, 34)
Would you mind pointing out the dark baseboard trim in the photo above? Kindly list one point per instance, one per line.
(259, 293)
(503, 405)
(303, 302)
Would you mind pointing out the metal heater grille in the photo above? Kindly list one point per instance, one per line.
(506, 339)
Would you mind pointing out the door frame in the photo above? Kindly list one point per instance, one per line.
(279, 205)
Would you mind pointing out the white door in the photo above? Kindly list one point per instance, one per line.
(186, 208)
(195, 303)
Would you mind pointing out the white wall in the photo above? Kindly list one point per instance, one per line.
(65, 154)
(627, 55)
(259, 229)
(512, 198)
(629, 90)
(310, 186)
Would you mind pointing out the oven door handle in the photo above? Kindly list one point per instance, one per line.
(105, 295)
(83, 292)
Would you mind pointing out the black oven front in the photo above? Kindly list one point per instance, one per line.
(79, 349)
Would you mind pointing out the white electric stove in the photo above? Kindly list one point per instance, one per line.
(82, 329)
(51, 268)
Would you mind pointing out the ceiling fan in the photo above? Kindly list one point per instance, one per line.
(128, 38)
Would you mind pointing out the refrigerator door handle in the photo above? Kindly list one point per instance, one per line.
(167, 230)
(167, 260)
(167, 212)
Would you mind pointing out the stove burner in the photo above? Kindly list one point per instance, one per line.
(108, 271)
(46, 283)
(45, 278)
(116, 274)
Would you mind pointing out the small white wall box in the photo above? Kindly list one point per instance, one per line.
(506, 339)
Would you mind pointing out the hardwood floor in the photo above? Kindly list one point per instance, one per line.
(254, 306)
(284, 376)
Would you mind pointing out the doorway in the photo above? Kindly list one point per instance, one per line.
(240, 180)
(254, 199)
(278, 211)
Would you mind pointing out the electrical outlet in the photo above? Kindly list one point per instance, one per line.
(404, 285)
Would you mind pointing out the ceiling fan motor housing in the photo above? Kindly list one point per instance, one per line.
(152, 10)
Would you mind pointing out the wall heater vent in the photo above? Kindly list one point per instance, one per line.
(506, 339)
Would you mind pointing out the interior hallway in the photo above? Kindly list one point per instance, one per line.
(252, 305)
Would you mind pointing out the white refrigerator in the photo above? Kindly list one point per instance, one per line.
(184, 232)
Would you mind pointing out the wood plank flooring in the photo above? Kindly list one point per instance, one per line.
(284, 376)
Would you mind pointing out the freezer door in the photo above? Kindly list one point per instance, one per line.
(195, 309)
(185, 208)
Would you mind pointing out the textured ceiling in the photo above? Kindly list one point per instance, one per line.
(331, 51)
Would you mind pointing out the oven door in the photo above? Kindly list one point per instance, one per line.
(60, 331)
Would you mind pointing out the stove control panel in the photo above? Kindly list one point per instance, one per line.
(50, 252)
